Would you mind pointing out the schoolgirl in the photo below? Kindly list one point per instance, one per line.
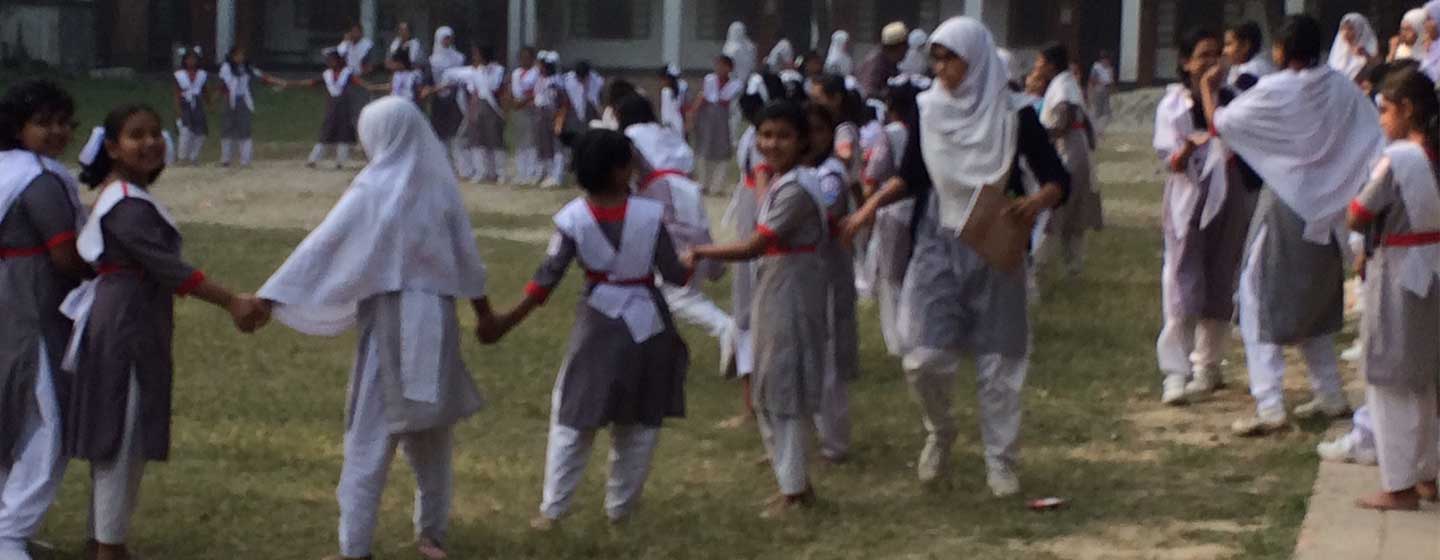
(1063, 114)
(191, 97)
(236, 120)
(673, 94)
(338, 127)
(548, 99)
(484, 131)
(711, 116)
(528, 167)
(445, 108)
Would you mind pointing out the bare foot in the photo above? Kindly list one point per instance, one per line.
(543, 524)
(788, 503)
(762, 461)
(1404, 500)
(429, 549)
(1428, 491)
(736, 421)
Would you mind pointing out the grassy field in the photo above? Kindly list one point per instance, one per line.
(258, 423)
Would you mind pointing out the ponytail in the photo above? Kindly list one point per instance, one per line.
(96, 160)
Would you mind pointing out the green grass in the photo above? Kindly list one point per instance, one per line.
(258, 425)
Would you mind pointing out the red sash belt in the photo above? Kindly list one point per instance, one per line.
(776, 250)
(116, 269)
(602, 278)
(657, 175)
(1412, 239)
(21, 253)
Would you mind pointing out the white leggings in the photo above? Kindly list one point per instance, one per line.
(29, 487)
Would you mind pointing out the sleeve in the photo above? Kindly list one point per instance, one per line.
(557, 259)
(833, 188)
(668, 262)
(1377, 196)
(786, 215)
(1065, 117)
(144, 236)
(879, 162)
(1040, 154)
(49, 209)
(846, 135)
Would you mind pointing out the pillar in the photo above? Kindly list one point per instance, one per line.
(532, 23)
(1129, 61)
(224, 27)
(975, 9)
(1293, 7)
(370, 19)
(673, 31)
(515, 24)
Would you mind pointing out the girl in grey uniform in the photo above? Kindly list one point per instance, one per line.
(711, 117)
(1399, 212)
(832, 421)
(1063, 114)
(191, 97)
(625, 364)
(40, 214)
(236, 121)
(118, 412)
(338, 128)
(788, 315)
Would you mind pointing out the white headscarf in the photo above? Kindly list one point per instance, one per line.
(782, 57)
(1342, 54)
(916, 61)
(443, 58)
(401, 226)
(741, 51)
(1415, 19)
(837, 60)
(1311, 135)
(968, 135)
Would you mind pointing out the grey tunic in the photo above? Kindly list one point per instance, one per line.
(341, 115)
(712, 132)
(1400, 330)
(1202, 270)
(1300, 285)
(606, 377)
(130, 329)
(743, 213)
(840, 273)
(236, 122)
(485, 128)
(788, 315)
(445, 114)
(953, 300)
(380, 354)
(31, 290)
(192, 116)
(1082, 211)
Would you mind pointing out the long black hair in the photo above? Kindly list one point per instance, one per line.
(26, 101)
(634, 109)
(1187, 49)
(237, 69)
(1410, 84)
(95, 172)
(1249, 32)
(598, 153)
(1301, 40)
(851, 104)
(1058, 56)
(752, 103)
(791, 113)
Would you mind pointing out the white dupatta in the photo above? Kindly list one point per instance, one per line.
(619, 297)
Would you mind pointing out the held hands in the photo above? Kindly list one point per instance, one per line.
(249, 312)
(855, 223)
(688, 259)
(1214, 77)
(1027, 209)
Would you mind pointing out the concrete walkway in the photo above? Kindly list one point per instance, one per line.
(1335, 529)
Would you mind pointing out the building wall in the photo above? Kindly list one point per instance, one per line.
(56, 33)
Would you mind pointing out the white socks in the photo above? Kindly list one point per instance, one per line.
(342, 154)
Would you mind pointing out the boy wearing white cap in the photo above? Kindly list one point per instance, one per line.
(883, 63)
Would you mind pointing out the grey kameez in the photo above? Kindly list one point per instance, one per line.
(1082, 211)
(129, 330)
(788, 316)
(607, 377)
(31, 289)
(840, 273)
(1301, 285)
(1400, 330)
(1205, 261)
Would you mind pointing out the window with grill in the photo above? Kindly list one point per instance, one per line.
(610, 19)
(713, 18)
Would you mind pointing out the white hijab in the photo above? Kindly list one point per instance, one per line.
(837, 60)
(782, 57)
(401, 226)
(1312, 136)
(968, 135)
(741, 51)
(1063, 89)
(1342, 53)
(443, 58)
(916, 61)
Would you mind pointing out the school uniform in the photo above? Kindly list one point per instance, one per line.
(1205, 216)
(338, 127)
(192, 124)
(664, 166)
(445, 112)
(1291, 287)
(356, 55)
(842, 359)
(527, 161)
(625, 363)
(742, 215)
(584, 96)
(672, 105)
(890, 236)
(405, 84)
(39, 210)
(1401, 321)
(119, 410)
(483, 134)
(1102, 77)
(712, 130)
(412, 48)
(953, 301)
(789, 320)
(1064, 115)
(236, 120)
(549, 93)
(396, 280)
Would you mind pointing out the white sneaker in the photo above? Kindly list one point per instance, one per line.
(1353, 353)
(1321, 407)
(1173, 392)
(1346, 450)
(1003, 482)
(933, 459)
(1262, 424)
(1206, 380)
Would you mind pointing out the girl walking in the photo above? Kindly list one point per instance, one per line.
(191, 97)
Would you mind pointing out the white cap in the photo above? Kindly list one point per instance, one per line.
(894, 34)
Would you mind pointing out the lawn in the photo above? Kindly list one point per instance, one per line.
(258, 424)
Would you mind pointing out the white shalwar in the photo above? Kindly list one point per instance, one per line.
(29, 487)
(567, 450)
(115, 485)
(786, 439)
(369, 449)
(1406, 440)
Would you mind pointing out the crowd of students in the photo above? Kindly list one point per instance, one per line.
(930, 176)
